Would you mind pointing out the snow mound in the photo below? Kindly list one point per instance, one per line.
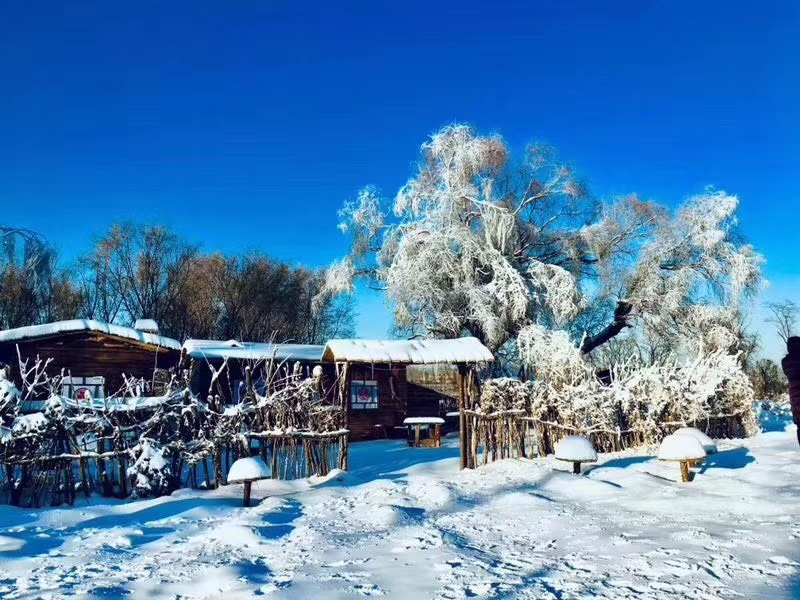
(708, 444)
(30, 423)
(576, 449)
(681, 447)
(246, 469)
(9, 394)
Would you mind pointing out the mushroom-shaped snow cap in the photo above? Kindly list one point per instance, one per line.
(706, 442)
(317, 372)
(681, 447)
(576, 449)
(251, 468)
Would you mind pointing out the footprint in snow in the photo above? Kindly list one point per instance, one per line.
(368, 589)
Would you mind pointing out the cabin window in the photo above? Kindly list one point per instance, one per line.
(364, 395)
(83, 389)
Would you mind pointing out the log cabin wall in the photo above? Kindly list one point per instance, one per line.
(392, 407)
(90, 354)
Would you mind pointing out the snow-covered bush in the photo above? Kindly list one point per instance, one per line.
(639, 405)
(504, 394)
(150, 475)
(9, 398)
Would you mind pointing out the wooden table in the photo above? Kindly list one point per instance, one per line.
(417, 423)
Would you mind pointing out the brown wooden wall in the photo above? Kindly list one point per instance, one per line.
(391, 409)
(91, 353)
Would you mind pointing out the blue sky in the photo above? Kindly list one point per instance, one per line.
(245, 125)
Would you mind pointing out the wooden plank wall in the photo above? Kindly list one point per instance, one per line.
(391, 409)
(90, 353)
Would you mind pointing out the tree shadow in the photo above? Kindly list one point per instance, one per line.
(386, 459)
(40, 541)
(737, 458)
(619, 463)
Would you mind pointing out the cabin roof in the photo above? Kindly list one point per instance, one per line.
(32, 332)
(148, 325)
(410, 352)
(216, 349)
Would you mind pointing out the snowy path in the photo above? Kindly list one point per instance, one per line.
(405, 523)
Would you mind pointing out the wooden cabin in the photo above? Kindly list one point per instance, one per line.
(375, 376)
(384, 383)
(209, 355)
(94, 354)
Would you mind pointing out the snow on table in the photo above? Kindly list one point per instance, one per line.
(423, 421)
(708, 444)
(248, 469)
(575, 448)
(680, 448)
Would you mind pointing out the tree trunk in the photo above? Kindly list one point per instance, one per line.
(620, 322)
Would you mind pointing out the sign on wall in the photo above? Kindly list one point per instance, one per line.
(363, 395)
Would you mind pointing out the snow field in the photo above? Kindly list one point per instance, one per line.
(406, 523)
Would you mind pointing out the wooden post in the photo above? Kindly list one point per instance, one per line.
(247, 486)
(685, 475)
(249, 379)
(344, 393)
(576, 467)
(462, 417)
(438, 436)
(417, 428)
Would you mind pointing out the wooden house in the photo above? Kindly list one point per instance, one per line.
(209, 355)
(93, 354)
(374, 379)
(384, 382)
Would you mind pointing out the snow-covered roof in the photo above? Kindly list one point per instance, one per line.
(148, 325)
(233, 349)
(50, 329)
(460, 350)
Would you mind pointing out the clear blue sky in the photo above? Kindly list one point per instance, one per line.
(245, 125)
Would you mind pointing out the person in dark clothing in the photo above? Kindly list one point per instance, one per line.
(791, 367)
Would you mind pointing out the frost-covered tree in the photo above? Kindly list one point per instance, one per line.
(473, 244)
(476, 242)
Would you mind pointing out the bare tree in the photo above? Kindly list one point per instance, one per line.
(33, 287)
(784, 315)
(137, 272)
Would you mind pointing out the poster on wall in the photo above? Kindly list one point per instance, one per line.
(363, 395)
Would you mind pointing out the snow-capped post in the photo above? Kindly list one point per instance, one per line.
(706, 442)
(246, 471)
(685, 449)
(577, 450)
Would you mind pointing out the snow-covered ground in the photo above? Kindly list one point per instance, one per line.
(406, 523)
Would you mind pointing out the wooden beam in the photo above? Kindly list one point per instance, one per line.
(462, 416)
